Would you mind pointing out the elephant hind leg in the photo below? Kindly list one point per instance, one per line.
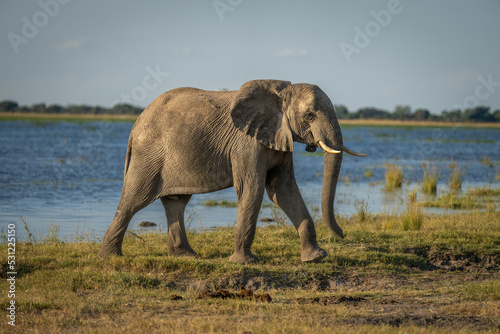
(113, 239)
(177, 242)
(136, 195)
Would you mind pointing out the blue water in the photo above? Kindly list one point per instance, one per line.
(69, 174)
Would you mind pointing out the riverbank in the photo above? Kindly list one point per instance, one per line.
(388, 122)
(381, 278)
(6, 116)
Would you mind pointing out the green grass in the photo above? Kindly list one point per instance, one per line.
(484, 291)
(484, 192)
(430, 179)
(487, 161)
(456, 179)
(476, 198)
(413, 215)
(278, 216)
(393, 177)
(223, 203)
(368, 173)
(454, 201)
(410, 273)
(363, 211)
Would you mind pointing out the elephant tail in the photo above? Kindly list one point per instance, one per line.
(129, 154)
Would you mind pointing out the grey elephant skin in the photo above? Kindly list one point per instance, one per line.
(191, 141)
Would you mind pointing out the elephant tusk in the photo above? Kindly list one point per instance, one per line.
(326, 148)
(346, 150)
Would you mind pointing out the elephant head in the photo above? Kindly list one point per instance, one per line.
(276, 113)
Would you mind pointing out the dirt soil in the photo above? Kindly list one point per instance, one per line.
(401, 309)
(423, 299)
(427, 298)
(243, 294)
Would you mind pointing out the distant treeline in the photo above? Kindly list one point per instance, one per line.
(42, 108)
(401, 112)
(404, 113)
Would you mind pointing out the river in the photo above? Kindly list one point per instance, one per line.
(67, 176)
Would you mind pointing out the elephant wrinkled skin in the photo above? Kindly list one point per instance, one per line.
(190, 141)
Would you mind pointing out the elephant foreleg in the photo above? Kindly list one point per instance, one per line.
(283, 191)
(177, 242)
(250, 195)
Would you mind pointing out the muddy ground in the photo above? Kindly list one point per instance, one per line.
(429, 298)
(398, 300)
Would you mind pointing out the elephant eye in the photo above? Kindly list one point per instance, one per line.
(309, 116)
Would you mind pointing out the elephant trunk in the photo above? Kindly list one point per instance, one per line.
(330, 177)
(329, 138)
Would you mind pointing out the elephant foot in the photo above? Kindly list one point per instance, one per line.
(107, 250)
(313, 255)
(183, 252)
(243, 258)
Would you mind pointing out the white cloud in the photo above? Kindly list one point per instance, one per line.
(72, 44)
(292, 53)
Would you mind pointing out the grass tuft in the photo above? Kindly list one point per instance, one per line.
(393, 177)
(486, 160)
(363, 212)
(413, 217)
(347, 181)
(53, 233)
(431, 178)
(368, 173)
(484, 192)
(278, 216)
(412, 197)
(223, 203)
(456, 179)
(476, 198)
(453, 201)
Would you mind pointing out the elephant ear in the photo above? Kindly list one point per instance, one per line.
(257, 111)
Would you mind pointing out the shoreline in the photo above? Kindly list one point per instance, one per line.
(7, 116)
(390, 122)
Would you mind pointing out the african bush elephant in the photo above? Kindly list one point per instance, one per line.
(190, 141)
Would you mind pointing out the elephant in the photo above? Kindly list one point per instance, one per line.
(191, 141)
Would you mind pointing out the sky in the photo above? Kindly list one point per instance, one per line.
(426, 54)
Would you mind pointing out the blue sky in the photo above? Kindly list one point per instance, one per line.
(427, 54)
